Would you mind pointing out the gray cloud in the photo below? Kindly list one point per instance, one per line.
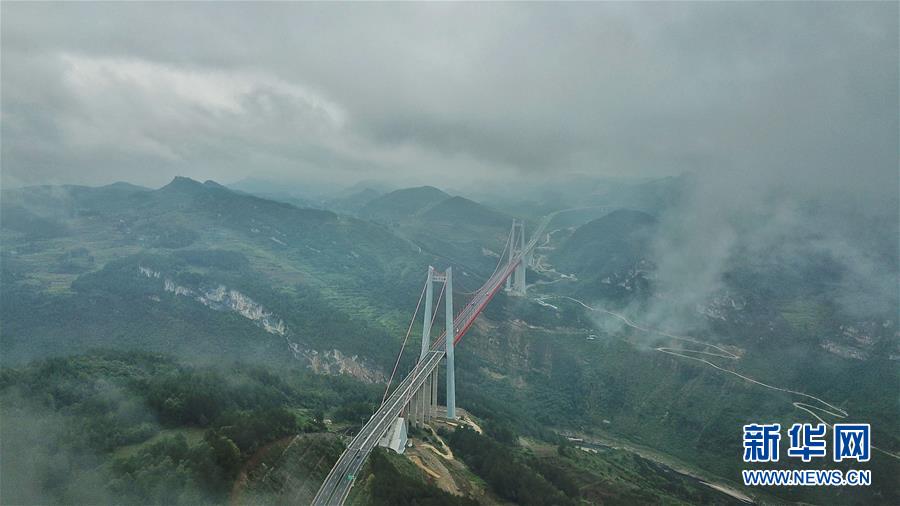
(438, 92)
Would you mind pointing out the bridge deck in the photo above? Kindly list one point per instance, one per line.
(340, 479)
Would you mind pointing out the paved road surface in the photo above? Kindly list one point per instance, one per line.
(337, 484)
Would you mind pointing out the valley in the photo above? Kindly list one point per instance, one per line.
(180, 272)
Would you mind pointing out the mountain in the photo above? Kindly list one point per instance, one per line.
(402, 204)
(352, 202)
(795, 291)
(306, 190)
(461, 211)
(248, 299)
(367, 184)
(607, 244)
(609, 254)
(198, 269)
(469, 233)
(300, 195)
(653, 197)
(581, 194)
(64, 201)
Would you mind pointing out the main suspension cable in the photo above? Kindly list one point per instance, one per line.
(499, 261)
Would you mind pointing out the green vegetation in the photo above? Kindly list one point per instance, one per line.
(543, 473)
(391, 480)
(805, 316)
(537, 380)
(118, 422)
(290, 470)
(402, 204)
(335, 281)
(129, 425)
(451, 228)
(610, 476)
(609, 255)
(499, 467)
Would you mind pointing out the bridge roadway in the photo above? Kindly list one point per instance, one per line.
(340, 479)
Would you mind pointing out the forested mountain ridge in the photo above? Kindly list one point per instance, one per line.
(137, 428)
(403, 203)
(210, 275)
(82, 251)
(789, 291)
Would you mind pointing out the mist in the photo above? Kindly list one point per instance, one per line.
(831, 234)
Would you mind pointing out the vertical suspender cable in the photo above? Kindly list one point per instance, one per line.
(408, 331)
(433, 316)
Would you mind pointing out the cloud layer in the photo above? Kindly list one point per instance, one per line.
(447, 92)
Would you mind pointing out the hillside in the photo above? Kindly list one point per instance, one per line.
(146, 268)
(138, 428)
(461, 211)
(586, 373)
(212, 276)
(402, 204)
(653, 197)
(352, 202)
(607, 244)
(609, 254)
(469, 233)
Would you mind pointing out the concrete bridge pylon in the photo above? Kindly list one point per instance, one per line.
(515, 284)
(426, 399)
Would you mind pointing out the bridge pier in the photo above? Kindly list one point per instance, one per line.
(423, 403)
(422, 407)
(415, 405)
(434, 393)
(412, 412)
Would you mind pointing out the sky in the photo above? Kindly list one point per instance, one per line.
(802, 94)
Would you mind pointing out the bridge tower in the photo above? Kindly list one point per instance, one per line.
(423, 406)
(516, 285)
(426, 325)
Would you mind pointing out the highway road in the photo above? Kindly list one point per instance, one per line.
(340, 479)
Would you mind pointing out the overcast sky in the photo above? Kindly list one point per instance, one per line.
(96, 93)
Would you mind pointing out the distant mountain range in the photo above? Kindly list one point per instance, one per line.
(403, 204)
(213, 275)
(610, 255)
(192, 238)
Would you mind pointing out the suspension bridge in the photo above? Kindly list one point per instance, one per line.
(414, 400)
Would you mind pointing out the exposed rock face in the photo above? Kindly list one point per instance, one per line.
(640, 271)
(844, 351)
(335, 362)
(722, 305)
(170, 286)
(149, 272)
(222, 298)
(861, 340)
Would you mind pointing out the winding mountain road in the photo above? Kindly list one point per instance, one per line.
(824, 406)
